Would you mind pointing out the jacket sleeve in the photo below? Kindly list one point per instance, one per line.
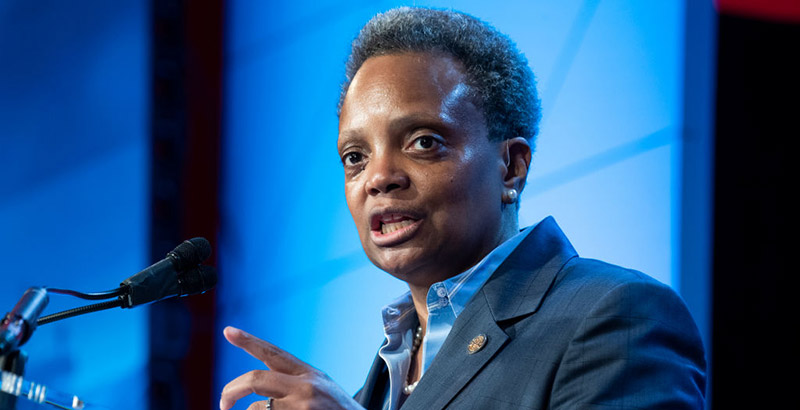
(637, 348)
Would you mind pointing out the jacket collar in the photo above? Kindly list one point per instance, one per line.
(519, 285)
(517, 288)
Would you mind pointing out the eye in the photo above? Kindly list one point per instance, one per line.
(352, 158)
(425, 142)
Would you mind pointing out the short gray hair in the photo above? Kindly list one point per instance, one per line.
(496, 70)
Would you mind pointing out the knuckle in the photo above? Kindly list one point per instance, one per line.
(314, 386)
(307, 389)
(254, 377)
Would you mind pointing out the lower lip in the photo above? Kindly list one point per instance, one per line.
(397, 237)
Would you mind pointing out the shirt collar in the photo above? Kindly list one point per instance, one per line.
(397, 316)
(460, 289)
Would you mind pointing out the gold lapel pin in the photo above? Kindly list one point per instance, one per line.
(476, 343)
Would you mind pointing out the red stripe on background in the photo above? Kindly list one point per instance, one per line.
(787, 11)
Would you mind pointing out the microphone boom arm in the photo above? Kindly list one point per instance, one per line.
(82, 310)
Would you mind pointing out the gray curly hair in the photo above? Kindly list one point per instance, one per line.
(496, 71)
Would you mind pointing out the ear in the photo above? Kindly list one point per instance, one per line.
(517, 157)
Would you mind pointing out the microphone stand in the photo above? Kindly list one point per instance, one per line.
(15, 386)
(12, 364)
(146, 286)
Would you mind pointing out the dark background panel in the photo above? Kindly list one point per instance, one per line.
(754, 308)
(186, 67)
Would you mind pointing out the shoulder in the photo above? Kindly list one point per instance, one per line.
(631, 333)
(626, 305)
(599, 275)
(590, 281)
(588, 292)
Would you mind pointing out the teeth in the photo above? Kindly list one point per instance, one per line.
(393, 226)
(392, 218)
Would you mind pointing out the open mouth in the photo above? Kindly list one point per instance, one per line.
(390, 227)
(394, 222)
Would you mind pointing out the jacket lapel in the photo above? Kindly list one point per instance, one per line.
(453, 365)
(371, 394)
(517, 288)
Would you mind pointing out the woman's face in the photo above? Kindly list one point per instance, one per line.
(423, 182)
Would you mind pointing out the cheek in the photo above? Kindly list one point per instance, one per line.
(354, 204)
(476, 176)
(455, 195)
(473, 189)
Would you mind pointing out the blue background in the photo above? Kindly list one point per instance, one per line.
(74, 98)
(74, 101)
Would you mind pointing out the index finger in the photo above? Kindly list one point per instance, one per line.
(272, 356)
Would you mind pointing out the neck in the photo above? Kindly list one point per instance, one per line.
(419, 294)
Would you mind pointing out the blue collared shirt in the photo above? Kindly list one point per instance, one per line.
(446, 300)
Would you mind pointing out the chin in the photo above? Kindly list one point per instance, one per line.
(396, 264)
(413, 275)
(398, 269)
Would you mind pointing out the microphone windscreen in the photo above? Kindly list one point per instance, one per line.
(197, 280)
(191, 252)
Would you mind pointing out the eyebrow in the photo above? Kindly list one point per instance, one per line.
(396, 125)
(347, 137)
(415, 119)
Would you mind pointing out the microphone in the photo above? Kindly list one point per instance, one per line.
(18, 325)
(179, 274)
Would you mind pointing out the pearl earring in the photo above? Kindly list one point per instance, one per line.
(511, 196)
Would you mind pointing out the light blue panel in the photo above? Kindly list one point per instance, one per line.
(619, 212)
(73, 202)
(620, 98)
(292, 269)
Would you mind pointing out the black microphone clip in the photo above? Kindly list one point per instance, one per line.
(179, 274)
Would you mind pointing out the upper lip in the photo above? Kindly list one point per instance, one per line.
(377, 215)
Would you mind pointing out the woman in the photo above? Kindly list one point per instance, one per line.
(436, 125)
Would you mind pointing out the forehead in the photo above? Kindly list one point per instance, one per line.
(418, 71)
(408, 84)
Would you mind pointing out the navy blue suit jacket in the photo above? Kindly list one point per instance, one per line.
(562, 332)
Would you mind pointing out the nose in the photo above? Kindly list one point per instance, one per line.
(385, 174)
